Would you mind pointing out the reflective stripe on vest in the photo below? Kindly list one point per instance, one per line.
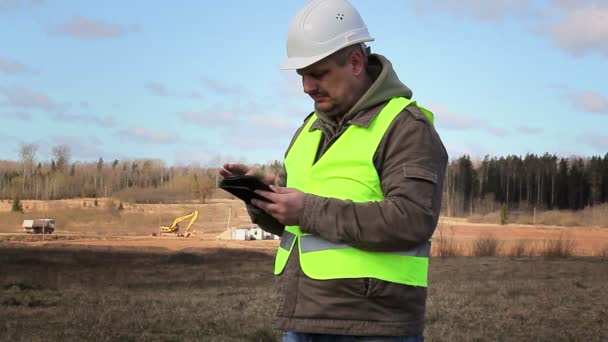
(312, 243)
(346, 171)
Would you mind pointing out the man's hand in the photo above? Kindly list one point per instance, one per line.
(230, 170)
(287, 207)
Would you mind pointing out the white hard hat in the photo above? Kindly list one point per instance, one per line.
(321, 28)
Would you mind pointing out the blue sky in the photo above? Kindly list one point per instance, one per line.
(199, 81)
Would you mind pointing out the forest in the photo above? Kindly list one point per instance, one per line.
(543, 182)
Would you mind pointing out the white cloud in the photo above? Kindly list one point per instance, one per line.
(257, 135)
(106, 121)
(209, 117)
(590, 101)
(271, 123)
(141, 134)
(477, 9)
(88, 29)
(582, 27)
(89, 147)
(159, 89)
(444, 118)
(530, 130)
(27, 98)
(6, 5)
(156, 88)
(19, 115)
(598, 141)
(221, 87)
(194, 95)
(290, 85)
(576, 26)
(8, 66)
(498, 131)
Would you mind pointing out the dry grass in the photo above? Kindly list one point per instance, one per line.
(444, 245)
(559, 218)
(93, 294)
(559, 248)
(447, 247)
(489, 246)
(529, 299)
(493, 217)
(596, 216)
(486, 246)
(119, 294)
(522, 248)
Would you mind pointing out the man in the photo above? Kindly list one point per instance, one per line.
(364, 176)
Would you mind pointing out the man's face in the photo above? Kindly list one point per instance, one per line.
(330, 86)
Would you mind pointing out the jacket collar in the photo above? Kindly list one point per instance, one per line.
(363, 118)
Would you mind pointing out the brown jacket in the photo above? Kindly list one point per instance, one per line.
(411, 162)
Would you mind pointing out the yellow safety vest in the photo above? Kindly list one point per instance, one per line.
(347, 171)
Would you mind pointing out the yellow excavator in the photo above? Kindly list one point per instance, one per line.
(174, 228)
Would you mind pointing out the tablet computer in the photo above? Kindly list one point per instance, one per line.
(244, 187)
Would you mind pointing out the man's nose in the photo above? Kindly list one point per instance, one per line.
(309, 84)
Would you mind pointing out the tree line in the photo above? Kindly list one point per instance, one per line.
(471, 186)
(524, 183)
(138, 180)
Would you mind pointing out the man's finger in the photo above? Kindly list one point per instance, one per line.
(238, 169)
(267, 207)
(268, 194)
(252, 172)
(281, 189)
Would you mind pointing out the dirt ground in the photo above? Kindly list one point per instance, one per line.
(217, 216)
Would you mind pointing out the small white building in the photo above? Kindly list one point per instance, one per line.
(240, 234)
(252, 233)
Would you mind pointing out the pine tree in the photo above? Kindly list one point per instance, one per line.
(17, 206)
(503, 215)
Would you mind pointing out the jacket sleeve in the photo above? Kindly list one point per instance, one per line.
(411, 162)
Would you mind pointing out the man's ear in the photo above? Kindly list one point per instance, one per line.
(357, 62)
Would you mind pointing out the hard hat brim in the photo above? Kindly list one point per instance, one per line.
(294, 63)
(300, 63)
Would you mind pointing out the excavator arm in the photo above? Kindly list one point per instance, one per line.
(174, 228)
(192, 220)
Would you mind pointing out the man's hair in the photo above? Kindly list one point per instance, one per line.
(341, 56)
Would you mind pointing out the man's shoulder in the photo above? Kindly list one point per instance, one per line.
(415, 111)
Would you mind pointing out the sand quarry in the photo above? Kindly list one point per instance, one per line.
(217, 217)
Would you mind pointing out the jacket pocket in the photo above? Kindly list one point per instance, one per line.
(420, 183)
(420, 172)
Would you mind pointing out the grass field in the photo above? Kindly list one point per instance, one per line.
(104, 293)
